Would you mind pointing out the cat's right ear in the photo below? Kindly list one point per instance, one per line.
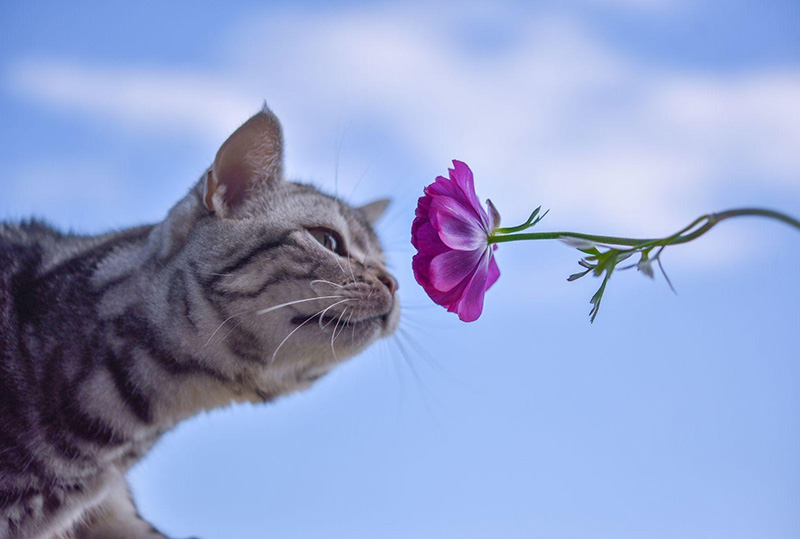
(247, 163)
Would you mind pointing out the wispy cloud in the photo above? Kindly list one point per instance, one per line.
(542, 109)
(169, 101)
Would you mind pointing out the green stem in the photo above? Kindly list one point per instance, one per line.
(711, 220)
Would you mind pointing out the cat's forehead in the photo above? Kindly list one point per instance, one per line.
(307, 203)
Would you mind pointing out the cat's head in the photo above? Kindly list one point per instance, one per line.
(291, 280)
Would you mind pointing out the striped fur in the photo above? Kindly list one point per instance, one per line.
(107, 342)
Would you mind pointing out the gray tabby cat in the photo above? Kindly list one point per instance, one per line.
(107, 342)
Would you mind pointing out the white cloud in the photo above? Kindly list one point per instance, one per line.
(546, 114)
(163, 100)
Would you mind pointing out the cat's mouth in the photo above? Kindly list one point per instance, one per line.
(323, 320)
(335, 320)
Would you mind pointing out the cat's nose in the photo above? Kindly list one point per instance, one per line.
(388, 281)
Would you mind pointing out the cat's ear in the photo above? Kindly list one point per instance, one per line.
(248, 162)
(374, 210)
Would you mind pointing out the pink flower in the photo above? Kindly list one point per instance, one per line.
(455, 263)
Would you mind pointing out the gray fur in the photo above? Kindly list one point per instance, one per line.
(107, 342)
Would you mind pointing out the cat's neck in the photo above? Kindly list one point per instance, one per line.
(156, 316)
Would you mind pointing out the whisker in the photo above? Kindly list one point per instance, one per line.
(424, 391)
(236, 325)
(446, 373)
(322, 314)
(415, 325)
(275, 353)
(340, 267)
(339, 144)
(315, 281)
(333, 334)
(421, 352)
(363, 175)
(295, 302)
(350, 265)
(352, 329)
(222, 324)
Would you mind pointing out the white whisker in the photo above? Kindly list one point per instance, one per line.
(220, 326)
(340, 267)
(350, 265)
(295, 302)
(236, 325)
(275, 353)
(352, 328)
(315, 281)
(333, 334)
(322, 314)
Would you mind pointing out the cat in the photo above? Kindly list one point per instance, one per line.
(107, 342)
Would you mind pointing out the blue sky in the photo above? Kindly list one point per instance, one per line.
(671, 416)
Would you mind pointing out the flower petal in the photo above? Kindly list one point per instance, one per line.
(458, 227)
(494, 273)
(444, 187)
(426, 240)
(462, 176)
(450, 268)
(470, 306)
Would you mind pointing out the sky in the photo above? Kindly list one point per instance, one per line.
(670, 416)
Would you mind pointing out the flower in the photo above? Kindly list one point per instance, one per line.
(455, 262)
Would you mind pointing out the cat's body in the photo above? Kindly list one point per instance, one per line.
(107, 342)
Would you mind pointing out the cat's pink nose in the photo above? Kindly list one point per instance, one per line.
(389, 282)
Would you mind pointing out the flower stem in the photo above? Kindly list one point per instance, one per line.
(699, 226)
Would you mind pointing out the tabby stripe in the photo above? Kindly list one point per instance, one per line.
(51, 398)
(244, 345)
(79, 422)
(206, 289)
(262, 248)
(100, 292)
(52, 502)
(285, 274)
(91, 429)
(136, 327)
(87, 259)
(178, 294)
(121, 368)
(9, 498)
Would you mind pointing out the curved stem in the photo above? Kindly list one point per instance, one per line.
(711, 220)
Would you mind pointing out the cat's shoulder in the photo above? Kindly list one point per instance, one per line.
(28, 232)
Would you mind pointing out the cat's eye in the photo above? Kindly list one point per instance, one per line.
(330, 239)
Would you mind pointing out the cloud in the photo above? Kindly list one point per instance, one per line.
(161, 100)
(543, 110)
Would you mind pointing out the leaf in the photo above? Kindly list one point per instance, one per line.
(666, 277)
(609, 262)
(576, 276)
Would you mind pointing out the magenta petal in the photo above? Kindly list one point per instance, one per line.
(462, 176)
(494, 273)
(444, 187)
(470, 306)
(450, 268)
(427, 240)
(458, 228)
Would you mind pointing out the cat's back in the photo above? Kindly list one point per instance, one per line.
(22, 249)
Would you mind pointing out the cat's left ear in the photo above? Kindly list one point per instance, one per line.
(248, 162)
(374, 210)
